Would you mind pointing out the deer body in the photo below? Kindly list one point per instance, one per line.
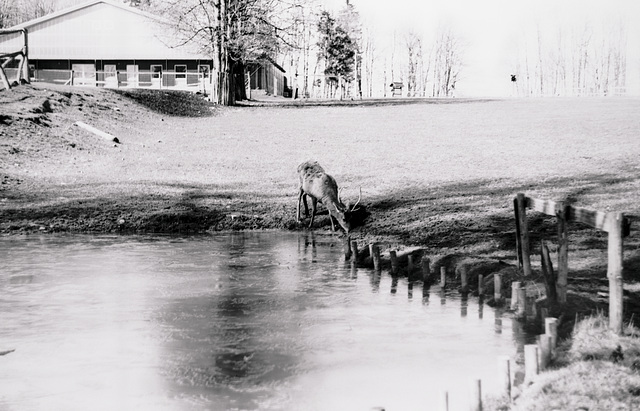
(320, 186)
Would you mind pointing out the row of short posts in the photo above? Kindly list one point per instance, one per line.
(536, 356)
(353, 254)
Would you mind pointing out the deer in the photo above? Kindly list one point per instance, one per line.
(320, 186)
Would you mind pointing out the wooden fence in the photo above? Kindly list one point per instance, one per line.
(613, 223)
(20, 54)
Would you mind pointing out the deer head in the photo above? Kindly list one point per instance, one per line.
(344, 213)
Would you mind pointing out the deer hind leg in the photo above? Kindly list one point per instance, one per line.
(314, 206)
(306, 207)
(301, 197)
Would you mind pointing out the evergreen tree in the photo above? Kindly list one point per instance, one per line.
(336, 49)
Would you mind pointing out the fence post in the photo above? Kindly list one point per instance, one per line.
(521, 212)
(515, 286)
(375, 256)
(544, 342)
(497, 287)
(354, 251)
(426, 271)
(463, 279)
(409, 266)
(393, 256)
(530, 362)
(563, 253)
(522, 303)
(480, 285)
(549, 276)
(444, 401)
(443, 276)
(614, 271)
(504, 375)
(551, 329)
(476, 395)
(346, 247)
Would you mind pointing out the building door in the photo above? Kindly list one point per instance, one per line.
(110, 76)
(156, 76)
(181, 75)
(84, 74)
(132, 75)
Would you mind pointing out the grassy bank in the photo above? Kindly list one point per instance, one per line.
(594, 370)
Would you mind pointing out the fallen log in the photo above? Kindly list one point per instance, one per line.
(97, 132)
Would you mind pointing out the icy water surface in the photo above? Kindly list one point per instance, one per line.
(241, 321)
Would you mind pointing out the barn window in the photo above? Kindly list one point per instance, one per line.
(156, 70)
(84, 74)
(181, 70)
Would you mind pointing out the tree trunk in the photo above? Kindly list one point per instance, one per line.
(226, 88)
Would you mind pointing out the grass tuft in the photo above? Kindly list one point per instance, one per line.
(592, 340)
(602, 372)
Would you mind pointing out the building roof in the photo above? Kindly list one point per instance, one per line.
(77, 7)
(100, 29)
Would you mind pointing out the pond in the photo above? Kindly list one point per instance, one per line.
(236, 321)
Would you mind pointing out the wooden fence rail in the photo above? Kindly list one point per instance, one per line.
(613, 223)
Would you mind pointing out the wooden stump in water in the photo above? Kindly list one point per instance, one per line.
(504, 375)
(544, 342)
(497, 291)
(426, 270)
(515, 286)
(354, 251)
(394, 262)
(374, 251)
(464, 287)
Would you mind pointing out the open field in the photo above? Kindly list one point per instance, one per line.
(439, 174)
(430, 173)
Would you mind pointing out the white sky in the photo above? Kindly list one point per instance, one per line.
(490, 29)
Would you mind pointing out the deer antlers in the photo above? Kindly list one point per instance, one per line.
(357, 202)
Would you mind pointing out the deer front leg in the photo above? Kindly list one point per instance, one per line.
(333, 227)
(314, 205)
(300, 194)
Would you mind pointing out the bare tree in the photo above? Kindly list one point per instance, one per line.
(574, 61)
(447, 62)
(414, 44)
(232, 32)
(14, 12)
(368, 57)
